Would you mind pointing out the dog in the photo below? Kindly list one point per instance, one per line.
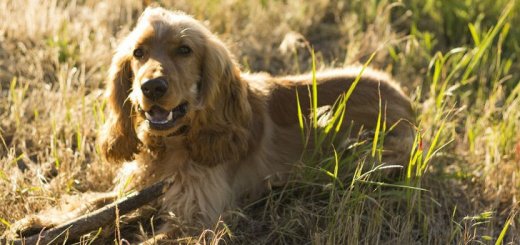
(181, 109)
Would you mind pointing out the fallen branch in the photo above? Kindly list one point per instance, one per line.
(92, 221)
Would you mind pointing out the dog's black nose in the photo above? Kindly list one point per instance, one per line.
(154, 88)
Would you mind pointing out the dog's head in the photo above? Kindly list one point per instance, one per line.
(168, 75)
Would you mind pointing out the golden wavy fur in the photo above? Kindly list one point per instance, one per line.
(180, 108)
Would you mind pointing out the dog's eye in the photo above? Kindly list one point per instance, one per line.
(138, 53)
(183, 50)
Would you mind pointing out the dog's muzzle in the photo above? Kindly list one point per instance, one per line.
(161, 119)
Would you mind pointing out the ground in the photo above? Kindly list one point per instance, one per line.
(458, 60)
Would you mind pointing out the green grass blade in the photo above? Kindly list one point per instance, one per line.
(487, 41)
(500, 238)
(5, 222)
(474, 34)
(314, 92)
(378, 126)
(300, 115)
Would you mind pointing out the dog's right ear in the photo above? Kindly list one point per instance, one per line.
(118, 140)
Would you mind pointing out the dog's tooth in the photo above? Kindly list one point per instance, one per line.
(148, 116)
(170, 116)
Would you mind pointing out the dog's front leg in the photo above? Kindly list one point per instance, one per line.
(70, 208)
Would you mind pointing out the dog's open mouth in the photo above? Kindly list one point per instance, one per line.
(161, 119)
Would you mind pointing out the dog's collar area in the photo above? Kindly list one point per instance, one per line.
(161, 119)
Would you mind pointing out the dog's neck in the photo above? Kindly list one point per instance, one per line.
(155, 146)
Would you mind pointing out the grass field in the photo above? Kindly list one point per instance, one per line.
(458, 60)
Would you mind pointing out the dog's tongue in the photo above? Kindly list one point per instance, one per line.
(158, 115)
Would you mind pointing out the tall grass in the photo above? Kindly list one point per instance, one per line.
(458, 59)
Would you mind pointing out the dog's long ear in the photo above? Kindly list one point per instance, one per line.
(220, 131)
(118, 140)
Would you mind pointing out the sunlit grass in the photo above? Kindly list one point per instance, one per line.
(459, 60)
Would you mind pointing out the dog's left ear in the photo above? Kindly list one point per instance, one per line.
(220, 132)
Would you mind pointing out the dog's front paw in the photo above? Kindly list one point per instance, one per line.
(30, 225)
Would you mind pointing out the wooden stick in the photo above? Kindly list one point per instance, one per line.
(92, 221)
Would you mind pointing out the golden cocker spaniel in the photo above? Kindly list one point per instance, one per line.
(181, 109)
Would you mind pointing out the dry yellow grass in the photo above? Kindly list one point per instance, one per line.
(54, 56)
